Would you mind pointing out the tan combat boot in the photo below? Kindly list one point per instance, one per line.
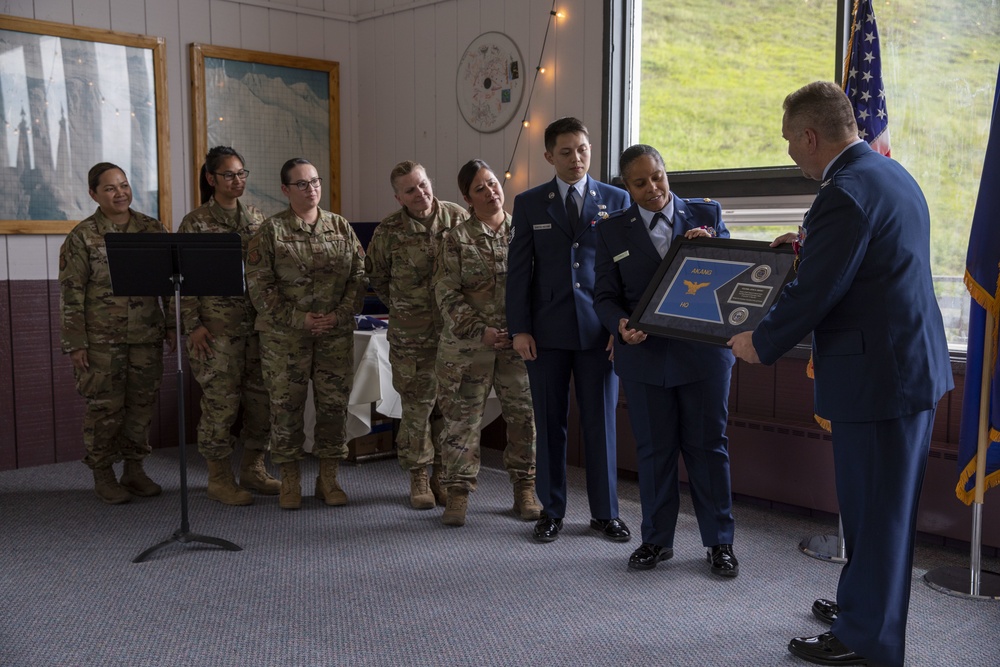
(107, 488)
(327, 488)
(421, 497)
(221, 485)
(136, 482)
(291, 487)
(254, 476)
(440, 494)
(526, 505)
(458, 503)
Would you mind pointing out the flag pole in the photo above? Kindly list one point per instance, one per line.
(955, 580)
(975, 565)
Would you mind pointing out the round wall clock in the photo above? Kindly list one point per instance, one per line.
(489, 83)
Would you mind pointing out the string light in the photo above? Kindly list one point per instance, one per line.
(527, 105)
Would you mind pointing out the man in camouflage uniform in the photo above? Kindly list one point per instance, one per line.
(115, 343)
(400, 265)
(475, 354)
(224, 352)
(305, 273)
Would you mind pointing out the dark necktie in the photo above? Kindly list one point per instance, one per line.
(656, 220)
(572, 215)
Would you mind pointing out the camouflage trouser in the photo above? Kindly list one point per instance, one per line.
(231, 376)
(120, 388)
(289, 362)
(413, 377)
(465, 377)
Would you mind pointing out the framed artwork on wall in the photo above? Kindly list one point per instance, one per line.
(71, 97)
(270, 108)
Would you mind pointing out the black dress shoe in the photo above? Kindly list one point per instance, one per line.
(826, 610)
(723, 560)
(546, 529)
(648, 555)
(824, 649)
(613, 529)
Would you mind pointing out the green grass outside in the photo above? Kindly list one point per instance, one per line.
(715, 74)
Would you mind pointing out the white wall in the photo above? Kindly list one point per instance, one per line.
(398, 61)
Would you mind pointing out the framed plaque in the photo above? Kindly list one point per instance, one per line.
(710, 289)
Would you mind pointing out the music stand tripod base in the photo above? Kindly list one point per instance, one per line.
(823, 547)
(184, 538)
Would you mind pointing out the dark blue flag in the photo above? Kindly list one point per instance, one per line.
(982, 277)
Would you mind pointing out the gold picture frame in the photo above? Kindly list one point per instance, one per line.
(79, 96)
(270, 108)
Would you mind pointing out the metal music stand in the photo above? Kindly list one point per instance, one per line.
(159, 265)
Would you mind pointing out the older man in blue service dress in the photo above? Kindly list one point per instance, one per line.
(550, 315)
(864, 289)
(677, 390)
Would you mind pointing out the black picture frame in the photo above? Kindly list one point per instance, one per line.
(711, 289)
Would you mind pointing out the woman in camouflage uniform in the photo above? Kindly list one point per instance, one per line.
(223, 348)
(115, 343)
(305, 272)
(475, 353)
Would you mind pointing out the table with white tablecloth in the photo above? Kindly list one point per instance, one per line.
(373, 387)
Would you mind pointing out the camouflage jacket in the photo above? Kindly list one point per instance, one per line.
(400, 266)
(90, 312)
(471, 279)
(221, 315)
(294, 268)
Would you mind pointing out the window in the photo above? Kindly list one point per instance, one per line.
(712, 77)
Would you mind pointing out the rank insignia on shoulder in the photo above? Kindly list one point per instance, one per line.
(706, 200)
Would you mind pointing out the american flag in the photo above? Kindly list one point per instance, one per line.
(863, 78)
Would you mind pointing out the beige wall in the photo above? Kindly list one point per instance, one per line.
(398, 61)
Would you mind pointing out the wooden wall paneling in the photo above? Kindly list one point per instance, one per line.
(955, 398)
(283, 32)
(32, 372)
(793, 392)
(531, 157)
(568, 39)
(469, 25)
(8, 432)
(425, 147)
(309, 34)
(411, 94)
(254, 35)
(58, 11)
(182, 23)
(128, 16)
(517, 22)
(224, 20)
(92, 13)
(68, 405)
(366, 102)
(388, 107)
(449, 41)
(592, 62)
(339, 41)
(756, 389)
(939, 433)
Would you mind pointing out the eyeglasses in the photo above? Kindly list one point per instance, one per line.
(233, 175)
(316, 183)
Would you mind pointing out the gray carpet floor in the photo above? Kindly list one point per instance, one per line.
(377, 583)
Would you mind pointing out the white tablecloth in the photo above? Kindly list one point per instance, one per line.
(373, 384)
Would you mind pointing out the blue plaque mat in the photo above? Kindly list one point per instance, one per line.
(711, 289)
